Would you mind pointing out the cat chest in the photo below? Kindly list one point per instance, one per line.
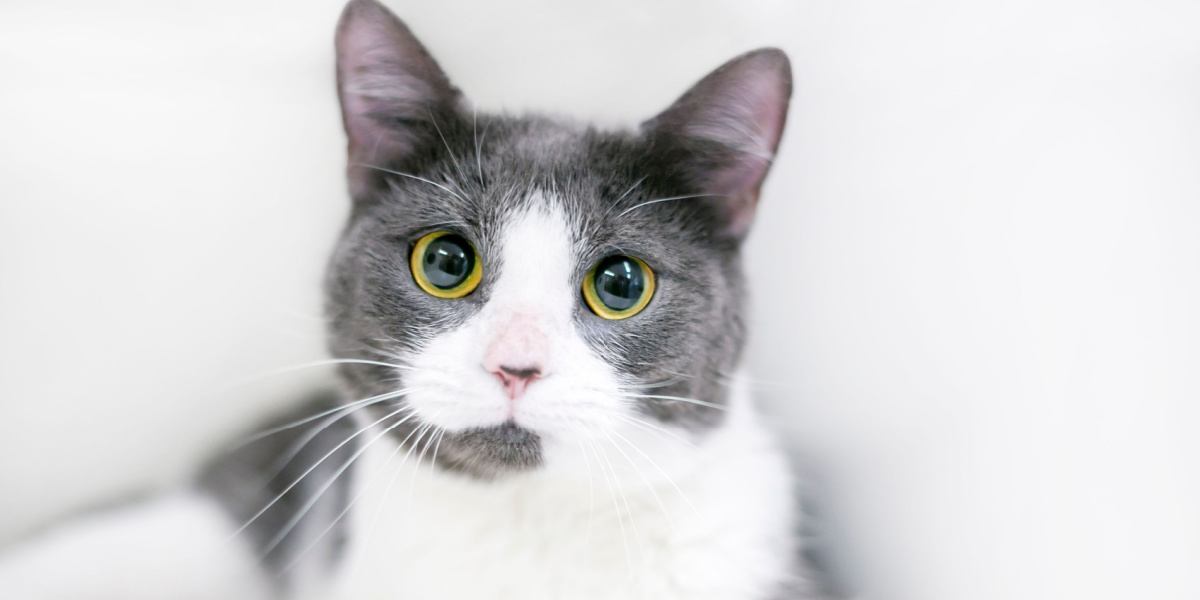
(428, 538)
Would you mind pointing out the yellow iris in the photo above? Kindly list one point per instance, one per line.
(618, 287)
(445, 265)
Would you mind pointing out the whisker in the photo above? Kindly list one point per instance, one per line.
(309, 365)
(453, 157)
(429, 427)
(587, 463)
(659, 384)
(437, 446)
(616, 490)
(311, 418)
(676, 399)
(629, 191)
(756, 382)
(657, 200)
(293, 484)
(656, 429)
(341, 515)
(336, 519)
(387, 491)
(617, 203)
(611, 481)
(661, 506)
(298, 446)
(478, 142)
(312, 501)
(662, 472)
(411, 176)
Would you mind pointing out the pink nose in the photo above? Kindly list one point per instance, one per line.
(515, 380)
(517, 354)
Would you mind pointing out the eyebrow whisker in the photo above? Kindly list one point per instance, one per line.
(411, 176)
(668, 199)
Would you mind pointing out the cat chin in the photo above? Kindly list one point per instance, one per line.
(491, 452)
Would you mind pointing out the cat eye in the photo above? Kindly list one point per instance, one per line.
(445, 265)
(618, 287)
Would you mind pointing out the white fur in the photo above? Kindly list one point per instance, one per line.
(726, 532)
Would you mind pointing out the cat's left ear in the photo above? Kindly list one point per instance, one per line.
(393, 93)
(723, 133)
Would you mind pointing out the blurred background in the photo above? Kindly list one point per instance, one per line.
(976, 269)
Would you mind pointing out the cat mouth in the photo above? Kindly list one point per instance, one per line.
(505, 434)
(490, 451)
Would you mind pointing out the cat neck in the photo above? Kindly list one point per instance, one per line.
(612, 519)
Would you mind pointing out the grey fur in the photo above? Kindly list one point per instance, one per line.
(271, 472)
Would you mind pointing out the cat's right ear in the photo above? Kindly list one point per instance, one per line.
(724, 133)
(391, 90)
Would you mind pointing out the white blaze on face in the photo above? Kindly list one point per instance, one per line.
(521, 358)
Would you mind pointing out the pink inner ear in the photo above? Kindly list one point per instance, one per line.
(746, 114)
(372, 82)
(385, 77)
(738, 184)
(366, 97)
(743, 175)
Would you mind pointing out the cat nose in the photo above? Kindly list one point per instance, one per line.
(518, 353)
(516, 379)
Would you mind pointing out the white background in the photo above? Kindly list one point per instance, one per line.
(976, 266)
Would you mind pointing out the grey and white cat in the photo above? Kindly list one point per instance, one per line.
(541, 326)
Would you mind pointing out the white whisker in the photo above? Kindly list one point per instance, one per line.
(312, 501)
(610, 475)
(660, 470)
(656, 429)
(453, 157)
(311, 418)
(339, 517)
(657, 200)
(293, 484)
(308, 365)
(676, 399)
(661, 506)
(629, 191)
(436, 446)
(587, 463)
(478, 143)
(411, 176)
(298, 446)
(387, 491)
(429, 427)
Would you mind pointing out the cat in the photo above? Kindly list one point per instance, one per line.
(539, 327)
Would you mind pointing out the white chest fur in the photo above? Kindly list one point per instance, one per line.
(718, 524)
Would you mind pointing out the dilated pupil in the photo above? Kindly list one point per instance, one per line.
(448, 261)
(619, 283)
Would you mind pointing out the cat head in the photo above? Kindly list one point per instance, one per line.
(530, 287)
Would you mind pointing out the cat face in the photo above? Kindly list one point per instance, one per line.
(533, 286)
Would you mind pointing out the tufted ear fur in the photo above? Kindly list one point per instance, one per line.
(725, 131)
(391, 90)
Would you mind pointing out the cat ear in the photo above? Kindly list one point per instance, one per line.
(390, 89)
(724, 132)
